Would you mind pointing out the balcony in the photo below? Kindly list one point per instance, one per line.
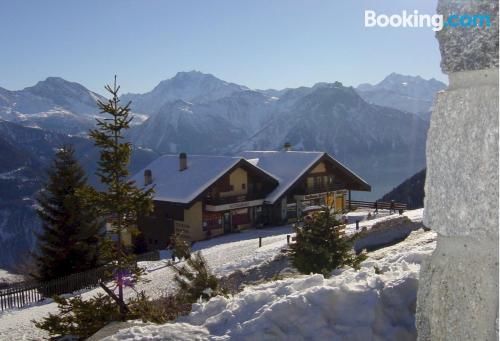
(215, 201)
(323, 188)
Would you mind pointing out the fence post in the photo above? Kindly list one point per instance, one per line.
(357, 225)
(260, 241)
(288, 239)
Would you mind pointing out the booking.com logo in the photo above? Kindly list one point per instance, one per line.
(435, 21)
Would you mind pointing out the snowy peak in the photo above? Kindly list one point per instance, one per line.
(70, 95)
(408, 93)
(192, 86)
(53, 104)
(414, 85)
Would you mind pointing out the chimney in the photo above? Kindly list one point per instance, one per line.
(183, 161)
(287, 146)
(148, 177)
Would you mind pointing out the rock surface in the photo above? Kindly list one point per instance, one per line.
(458, 289)
(468, 48)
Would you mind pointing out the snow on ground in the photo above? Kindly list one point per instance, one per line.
(351, 305)
(7, 277)
(224, 254)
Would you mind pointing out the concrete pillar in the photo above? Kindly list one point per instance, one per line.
(458, 288)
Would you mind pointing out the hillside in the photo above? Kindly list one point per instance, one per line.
(410, 191)
(26, 153)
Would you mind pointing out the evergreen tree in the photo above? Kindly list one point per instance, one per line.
(121, 201)
(69, 241)
(180, 247)
(321, 246)
(195, 279)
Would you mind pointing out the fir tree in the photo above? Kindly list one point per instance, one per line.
(321, 246)
(180, 247)
(195, 280)
(121, 201)
(69, 241)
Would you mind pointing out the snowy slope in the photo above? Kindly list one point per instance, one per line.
(351, 305)
(224, 254)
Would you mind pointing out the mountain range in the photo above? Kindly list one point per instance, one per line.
(406, 93)
(196, 112)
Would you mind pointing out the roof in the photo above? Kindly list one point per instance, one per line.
(286, 166)
(289, 166)
(173, 185)
(283, 167)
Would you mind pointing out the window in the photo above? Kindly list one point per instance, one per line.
(243, 186)
(310, 182)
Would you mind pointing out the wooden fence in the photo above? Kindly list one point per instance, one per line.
(377, 205)
(18, 295)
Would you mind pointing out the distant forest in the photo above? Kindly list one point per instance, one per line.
(409, 192)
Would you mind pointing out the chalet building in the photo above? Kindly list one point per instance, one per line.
(201, 196)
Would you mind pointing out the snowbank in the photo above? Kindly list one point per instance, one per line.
(351, 305)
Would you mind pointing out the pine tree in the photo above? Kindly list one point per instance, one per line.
(180, 247)
(69, 241)
(121, 201)
(321, 246)
(195, 279)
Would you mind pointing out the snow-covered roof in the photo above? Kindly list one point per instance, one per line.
(286, 166)
(173, 185)
(290, 166)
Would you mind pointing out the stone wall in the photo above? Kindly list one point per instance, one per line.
(458, 289)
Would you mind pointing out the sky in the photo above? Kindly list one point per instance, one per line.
(258, 43)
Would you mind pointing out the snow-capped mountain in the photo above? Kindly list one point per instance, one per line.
(205, 127)
(53, 104)
(381, 144)
(407, 93)
(192, 86)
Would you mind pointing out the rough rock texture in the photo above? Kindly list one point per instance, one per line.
(458, 288)
(465, 48)
(461, 189)
(458, 291)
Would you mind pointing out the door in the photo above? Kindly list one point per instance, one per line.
(226, 221)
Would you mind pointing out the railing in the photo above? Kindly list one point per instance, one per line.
(18, 295)
(234, 199)
(322, 188)
(377, 205)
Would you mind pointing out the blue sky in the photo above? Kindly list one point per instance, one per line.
(258, 43)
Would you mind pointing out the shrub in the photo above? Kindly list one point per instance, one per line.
(322, 247)
(80, 318)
